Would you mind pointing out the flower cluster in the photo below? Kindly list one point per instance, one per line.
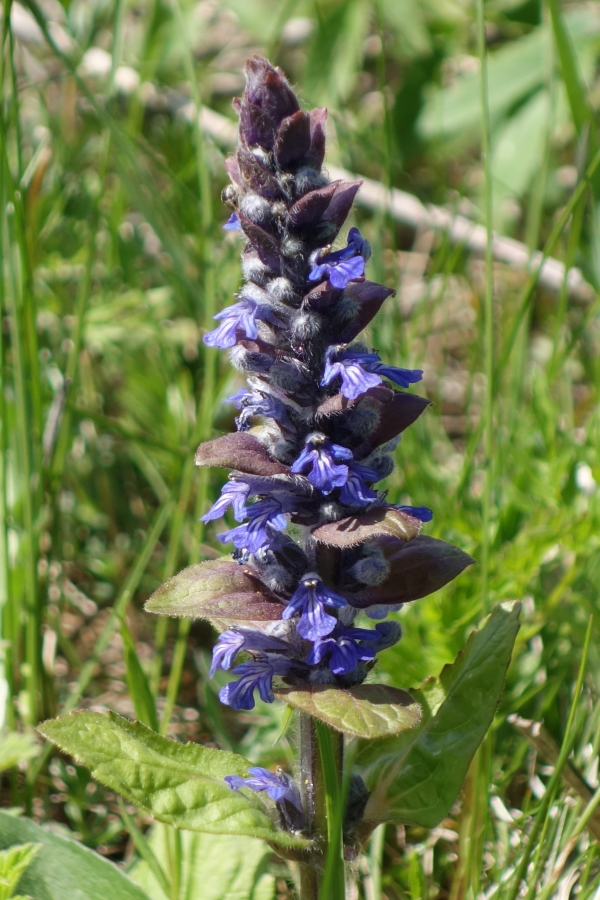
(319, 419)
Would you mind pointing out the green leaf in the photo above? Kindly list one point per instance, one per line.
(180, 784)
(13, 863)
(241, 871)
(517, 149)
(15, 747)
(366, 710)
(418, 785)
(516, 70)
(221, 591)
(137, 682)
(64, 868)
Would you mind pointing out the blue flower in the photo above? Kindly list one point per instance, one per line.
(233, 223)
(266, 517)
(344, 649)
(417, 512)
(234, 493)
(232, 642)
(381, 610)
(343, 265)
(310, 599)
(318, 462)
(255, 675)
(355, 492)
(241, 316)
(257, 403)
(349, 366)
(225, 650)
(386, 633)
(361, 371)
(401, 377)
(278, 786)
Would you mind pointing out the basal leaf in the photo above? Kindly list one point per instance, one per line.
(180, 784)
(63, 869)
(221, 591)
(242, 870)
(366, 710)
(383, 520)
(419, 785)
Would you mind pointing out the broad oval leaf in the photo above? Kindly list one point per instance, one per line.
(240, 451)
(180, 784)
(420, 784)
(417, 569)
(365, 710)
(221, 591)
(64, 868)
(383, 520)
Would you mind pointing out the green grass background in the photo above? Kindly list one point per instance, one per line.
(113, 264)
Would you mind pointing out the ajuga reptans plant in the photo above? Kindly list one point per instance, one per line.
(316, 544)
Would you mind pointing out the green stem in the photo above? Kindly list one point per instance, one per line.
(331, 749)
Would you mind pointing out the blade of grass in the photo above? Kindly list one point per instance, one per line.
(554, 783)
(144, 849)
(206, 388)
(524, 303)
(488, 311)
(137, 682)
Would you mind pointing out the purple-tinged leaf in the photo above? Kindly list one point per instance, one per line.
(381, 521)
(256, 126)
(240, 451)
(316, 153)
(293, 139)
(310, 208)
(221, 591)
(264, 243)
(267, 87)
(370, 297)
(396, 413)
(364, 711)
(233, 169)
(322, 296)
(256, 176)
(417, 568)
(342, 201)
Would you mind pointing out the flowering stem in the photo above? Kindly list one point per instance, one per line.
(321, 760)
(331, 751)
